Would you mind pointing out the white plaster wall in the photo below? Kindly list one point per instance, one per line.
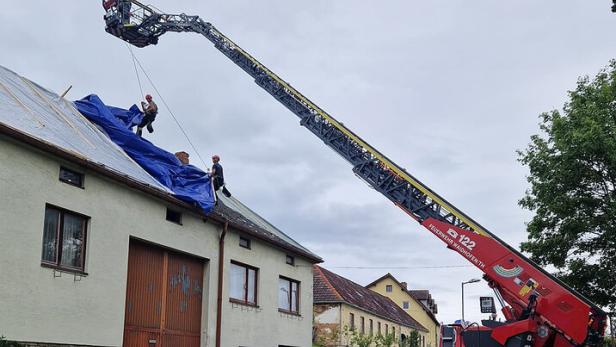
(329, 316)
(265, 326)
(36, 306)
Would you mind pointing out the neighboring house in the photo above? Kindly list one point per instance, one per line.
(424, 296)
(412, 301)
(96, 252)
(340, 303)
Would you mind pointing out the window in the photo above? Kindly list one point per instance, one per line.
(288, 295)
(244, 242)
(290, 260)
(393, 331)
(423, 341)
(405, 305)
(64, 239)
(352, 321)
(362, 327)
(389, 288)
(386, 329)
(174, 216)
(370, 327)
(378, 325)
(243, 284)
(71, 177)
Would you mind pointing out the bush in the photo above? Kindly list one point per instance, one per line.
(5, 343)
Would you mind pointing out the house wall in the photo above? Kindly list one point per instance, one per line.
(43, 305)
(264, 325)
(415, 309)
(332, 320)
(327, 324)
(346, 316)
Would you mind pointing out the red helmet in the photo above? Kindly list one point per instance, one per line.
(148, 97)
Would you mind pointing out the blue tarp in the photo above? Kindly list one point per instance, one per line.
(187, 182)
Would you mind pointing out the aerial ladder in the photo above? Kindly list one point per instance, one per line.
(540, 310)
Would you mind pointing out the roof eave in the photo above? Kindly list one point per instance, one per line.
(132, 183)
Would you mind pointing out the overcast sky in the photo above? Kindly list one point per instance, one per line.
(447, 89)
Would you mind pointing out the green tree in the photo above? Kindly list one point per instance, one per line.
(572, 180)
(386, 340)
(361, 340)
(413, 340)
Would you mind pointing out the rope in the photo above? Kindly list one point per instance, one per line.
(135, 66)
(135, 59)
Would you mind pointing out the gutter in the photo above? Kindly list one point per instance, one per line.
(221, 266)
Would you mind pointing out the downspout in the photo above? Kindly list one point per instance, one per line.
(221, 266)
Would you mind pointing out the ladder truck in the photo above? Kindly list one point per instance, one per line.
(540, 310)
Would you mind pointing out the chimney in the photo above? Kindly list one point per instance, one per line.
(182, 157)
(404, 285)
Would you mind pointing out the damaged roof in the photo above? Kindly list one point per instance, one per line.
(329, 288)
(32, 114)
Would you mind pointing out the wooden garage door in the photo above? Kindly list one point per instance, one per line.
(163, 298)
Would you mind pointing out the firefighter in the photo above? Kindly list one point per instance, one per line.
(150, 109)
(124, 11)
(217, 173)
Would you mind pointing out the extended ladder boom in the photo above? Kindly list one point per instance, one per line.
(538, 301)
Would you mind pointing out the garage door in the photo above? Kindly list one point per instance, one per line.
(163, 298)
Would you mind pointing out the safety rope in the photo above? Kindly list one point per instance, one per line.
(135, 59)
(136, 71)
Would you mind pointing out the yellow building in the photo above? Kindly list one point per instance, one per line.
(417, 303)
(342, 305)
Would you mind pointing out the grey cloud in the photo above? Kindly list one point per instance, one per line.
(448, 89)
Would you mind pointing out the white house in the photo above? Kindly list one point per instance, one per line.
(95, 252)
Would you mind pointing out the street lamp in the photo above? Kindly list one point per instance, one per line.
(474, 280)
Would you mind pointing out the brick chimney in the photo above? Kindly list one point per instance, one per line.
(404, 285)
(183, 157)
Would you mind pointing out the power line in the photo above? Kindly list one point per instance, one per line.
(168, 108)
(399, 267)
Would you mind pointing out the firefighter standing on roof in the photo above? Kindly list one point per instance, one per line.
(151, 110)
(216, 173)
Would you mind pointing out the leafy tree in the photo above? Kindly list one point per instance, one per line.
(386, 340)
(572, 180)
(361, 340)
(413, 340)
